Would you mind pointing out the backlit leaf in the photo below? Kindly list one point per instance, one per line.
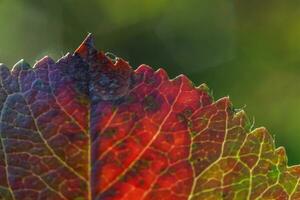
(90, 127)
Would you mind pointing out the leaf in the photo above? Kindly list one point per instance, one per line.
(90, 127)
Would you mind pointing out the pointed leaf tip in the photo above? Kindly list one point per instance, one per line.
(89, 40)
(87, 47)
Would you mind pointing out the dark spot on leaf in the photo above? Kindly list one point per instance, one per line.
(110, 132)
(150, 103)
(169, 138)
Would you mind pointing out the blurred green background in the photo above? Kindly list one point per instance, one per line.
(249, 50)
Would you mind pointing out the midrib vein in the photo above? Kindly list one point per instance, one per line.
(89, 153)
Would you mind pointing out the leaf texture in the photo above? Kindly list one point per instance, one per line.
(90, 127)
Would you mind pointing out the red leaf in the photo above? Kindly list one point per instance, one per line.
(90, 127)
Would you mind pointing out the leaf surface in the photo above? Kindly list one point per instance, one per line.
(90, 127)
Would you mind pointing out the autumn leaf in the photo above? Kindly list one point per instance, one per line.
(90, 127)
